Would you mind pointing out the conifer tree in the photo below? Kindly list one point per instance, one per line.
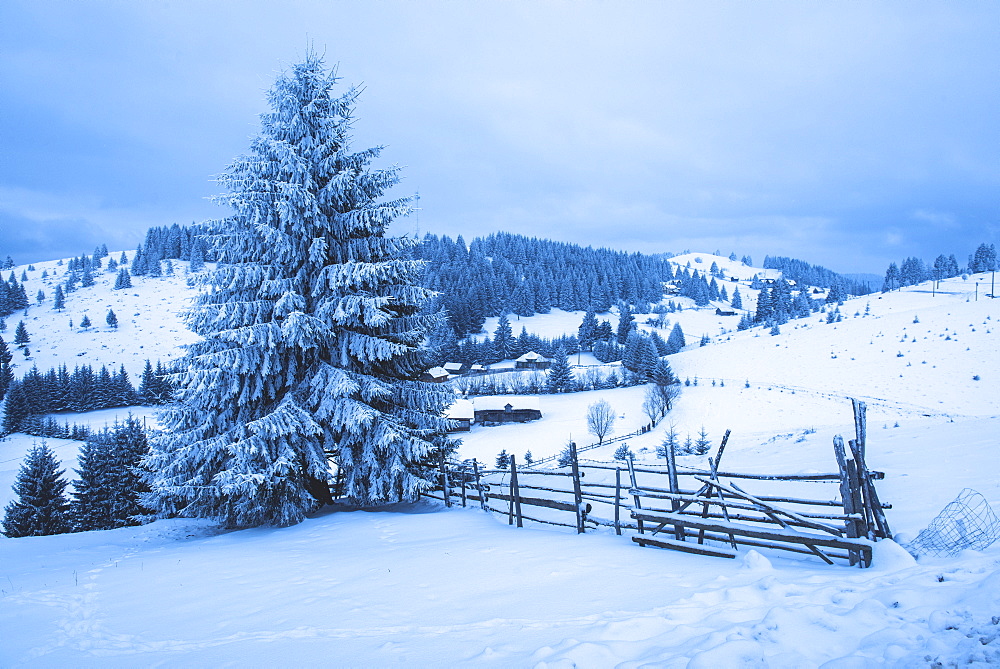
(41, 507)
(59, 298)
(737, 300)
(21, 338)
(587, 332)
(6, 372)
(124, 279)
(503, 460)
(112, 319)
(111, 480)
(560, 378)
(676, 340)
(312, 334)
(85, 322)
(626, 323)
(503, 339)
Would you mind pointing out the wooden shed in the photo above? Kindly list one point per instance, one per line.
(512, 409)
(532, 360)
(460, 416)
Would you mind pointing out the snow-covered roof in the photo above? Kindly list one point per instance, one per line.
(499, 403)
(437, 372)
(461, 410)
(531, 356)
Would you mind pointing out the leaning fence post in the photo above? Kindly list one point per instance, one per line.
(577, 492)
(847, 495)
(515, 495)
(860, 425)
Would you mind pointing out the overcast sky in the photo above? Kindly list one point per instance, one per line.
(844, 134)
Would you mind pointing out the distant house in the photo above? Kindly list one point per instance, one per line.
(478, 369)
(460, 416)
(733, 279)
(724, 312)
(532, 360)
(512, 409)
(454, 367)
(436, 375)
(817, 291)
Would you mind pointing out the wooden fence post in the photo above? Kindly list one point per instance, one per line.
(577, 491)
(860, 425)
(479, 485)
(445, 487)
(674, 488)
(635, 487)
(618, 500)
(515, 495)
(847, 495)
(464, 480)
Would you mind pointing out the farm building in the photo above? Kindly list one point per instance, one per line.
(510, 409)
(532, 360)
(724, 312)
(478, 369)
(460, 416)
(455, 367)
(436, 375)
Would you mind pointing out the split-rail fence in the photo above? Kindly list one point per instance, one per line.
(704, 511)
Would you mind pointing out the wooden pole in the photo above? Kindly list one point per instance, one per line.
(674, 487)
(446, 487)
(577, 493)
(635, 487)
(479, 485)
(464, 479)
(515, 495)
(860, 425)
(618, 500)
(851, 526)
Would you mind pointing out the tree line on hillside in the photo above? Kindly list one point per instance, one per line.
(804, 273)
(29, 399)
(508, 273)
(914, 270)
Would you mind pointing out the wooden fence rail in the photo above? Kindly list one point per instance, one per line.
(703, 511)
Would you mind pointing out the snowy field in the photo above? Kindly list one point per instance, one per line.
(417, 585)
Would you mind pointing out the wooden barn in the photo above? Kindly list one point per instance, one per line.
(460, 416)
(455, 368)
(436, 375)
(724, 312)
(512, 409)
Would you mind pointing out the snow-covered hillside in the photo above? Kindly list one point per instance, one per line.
(423, 586)
(149, 319)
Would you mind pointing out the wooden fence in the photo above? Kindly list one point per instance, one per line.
(704, 511)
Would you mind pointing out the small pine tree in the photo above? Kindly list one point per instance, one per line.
(124, 279)
(40, 296)
(112, 319)
(41, 507)
(623, 453)
(702, 444)
(528, 458)
(85, 322)
(503, 460)
(21, 337)
(59, 299)
(670, 441)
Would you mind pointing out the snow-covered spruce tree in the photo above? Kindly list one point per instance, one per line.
(41, 507)
(313, 331)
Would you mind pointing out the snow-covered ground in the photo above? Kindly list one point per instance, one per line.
(421, 586)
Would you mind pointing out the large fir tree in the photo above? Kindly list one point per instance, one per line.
(312, 332)
(41, 507)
